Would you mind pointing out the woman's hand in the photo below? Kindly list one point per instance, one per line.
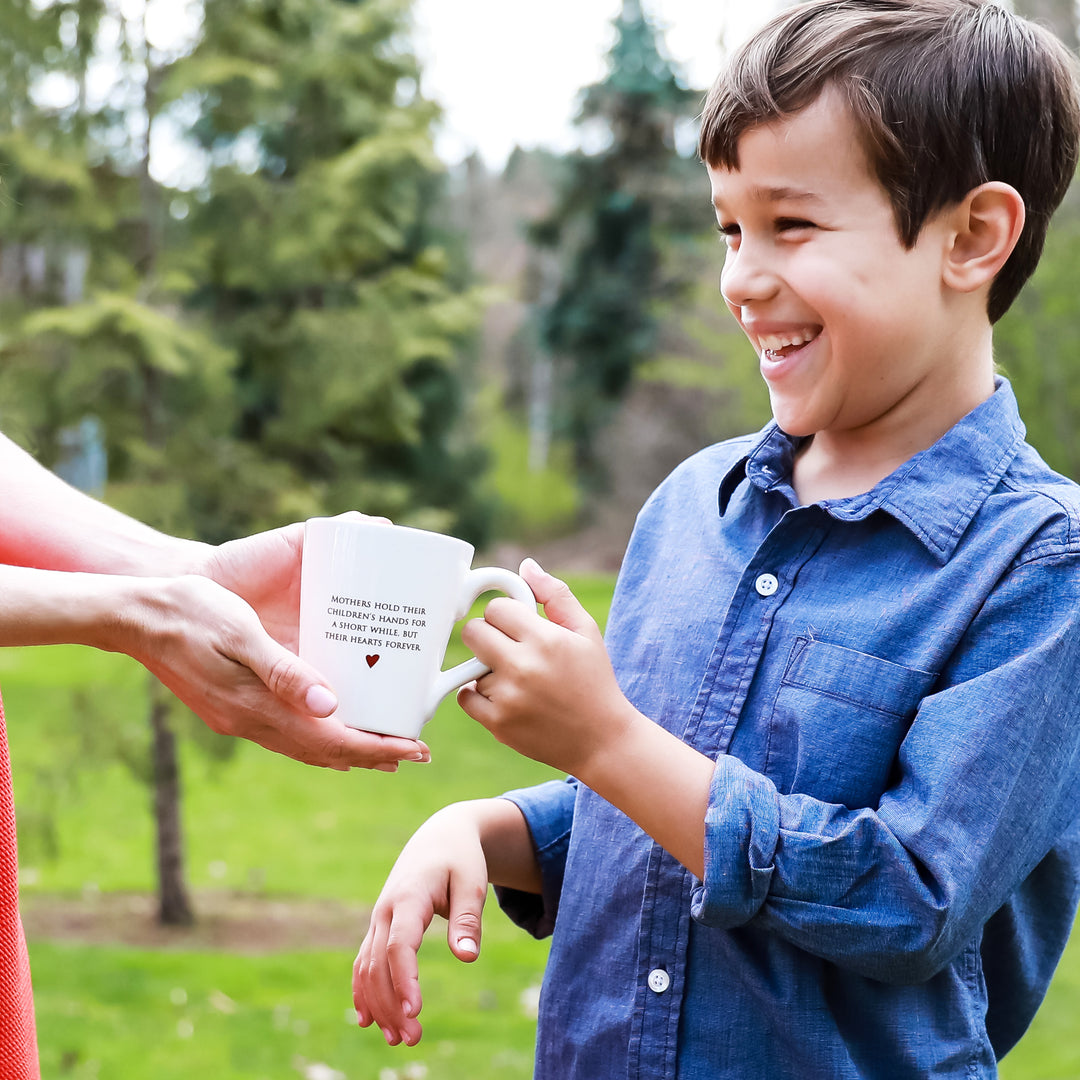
(264, 569)
(224, 639)
(210, 648)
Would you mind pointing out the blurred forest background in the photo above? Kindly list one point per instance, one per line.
(323, 316)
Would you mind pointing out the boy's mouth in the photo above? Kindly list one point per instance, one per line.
(781, 346)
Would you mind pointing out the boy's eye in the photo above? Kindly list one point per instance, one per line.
(788, 224)
(728, 232)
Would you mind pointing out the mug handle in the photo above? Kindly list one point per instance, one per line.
(481, 580)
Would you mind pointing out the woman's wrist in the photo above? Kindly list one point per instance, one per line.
(168, 557)
(53, 607)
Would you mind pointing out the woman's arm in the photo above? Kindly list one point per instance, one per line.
(46, 523)
(218, 626)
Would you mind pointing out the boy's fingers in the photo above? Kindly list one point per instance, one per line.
(379, 988)
(484, 639)
(476, 706)
(402, 944)
(561, 606)
(463, 928)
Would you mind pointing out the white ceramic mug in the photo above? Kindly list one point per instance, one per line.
(377, 604)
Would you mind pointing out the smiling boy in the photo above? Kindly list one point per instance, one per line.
(824, 814)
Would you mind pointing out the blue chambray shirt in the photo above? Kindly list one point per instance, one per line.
(888, 684)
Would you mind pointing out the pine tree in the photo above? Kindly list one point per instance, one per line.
(281, 341)
(317, 261)
(621, 206)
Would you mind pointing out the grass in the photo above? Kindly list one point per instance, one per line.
(254, 823)
(126, 1014)
(259, 824)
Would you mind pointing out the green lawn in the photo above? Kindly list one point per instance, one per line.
(258, 824)
(127, 1014)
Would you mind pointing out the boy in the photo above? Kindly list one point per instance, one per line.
(824, 814)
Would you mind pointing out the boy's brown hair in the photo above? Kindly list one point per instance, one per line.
(947, 95)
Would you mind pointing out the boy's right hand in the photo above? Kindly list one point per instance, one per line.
(441, 871)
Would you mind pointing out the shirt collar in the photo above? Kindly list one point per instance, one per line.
(935, 494)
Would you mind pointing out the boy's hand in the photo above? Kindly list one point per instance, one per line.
(551, 693)
(441, 871)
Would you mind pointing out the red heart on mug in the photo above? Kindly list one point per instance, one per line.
(372, 659)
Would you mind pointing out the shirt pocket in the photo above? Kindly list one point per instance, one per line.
(838, 720)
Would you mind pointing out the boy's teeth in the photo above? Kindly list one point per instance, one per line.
(775, 342)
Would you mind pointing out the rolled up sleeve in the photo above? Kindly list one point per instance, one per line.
(549, 812)
(988, 780)
(742, 826)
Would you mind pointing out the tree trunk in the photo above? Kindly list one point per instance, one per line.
(174, 907)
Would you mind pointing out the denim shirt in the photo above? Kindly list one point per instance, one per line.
(888, 685)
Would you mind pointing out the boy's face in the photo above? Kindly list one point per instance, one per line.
(851, 328)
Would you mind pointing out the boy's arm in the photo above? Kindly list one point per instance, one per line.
(443, 870)
(548, 810)
(988, 781)
(552, 695)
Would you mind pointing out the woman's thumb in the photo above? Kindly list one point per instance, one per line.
(291, 680)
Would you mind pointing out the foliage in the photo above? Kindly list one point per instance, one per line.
(283, 340)
(549, 502)
(315, 259)
(614, 206)
(1037, 345)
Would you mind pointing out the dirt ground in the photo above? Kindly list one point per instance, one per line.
(228, 921)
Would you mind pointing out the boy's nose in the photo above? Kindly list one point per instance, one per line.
(745, 278)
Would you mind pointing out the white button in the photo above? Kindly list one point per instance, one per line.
(659, 980)
(766, 585)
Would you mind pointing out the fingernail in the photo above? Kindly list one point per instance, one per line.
(320, 701)
(406, 1008)
(387, 766)
(466, 944)
(388, 1035)
(419, 756)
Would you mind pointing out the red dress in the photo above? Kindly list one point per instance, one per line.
(18, 1040)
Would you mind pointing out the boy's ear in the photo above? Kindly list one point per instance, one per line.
(987, 223)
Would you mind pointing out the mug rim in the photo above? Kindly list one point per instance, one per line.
(428, 534)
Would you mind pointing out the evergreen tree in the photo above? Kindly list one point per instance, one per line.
(316, 259)
(92, 326)
(281, 341)
(622, 206)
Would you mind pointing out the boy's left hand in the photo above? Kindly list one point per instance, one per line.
(551, 693)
